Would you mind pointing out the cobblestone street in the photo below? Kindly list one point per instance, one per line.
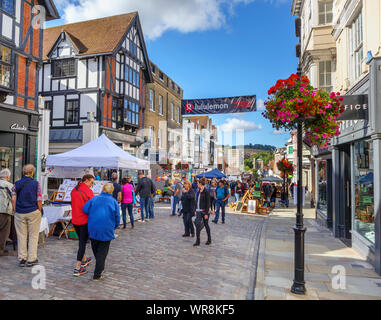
(151, 261)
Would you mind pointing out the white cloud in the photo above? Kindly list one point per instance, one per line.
(231, 125)
(157, 16)
(260, 105)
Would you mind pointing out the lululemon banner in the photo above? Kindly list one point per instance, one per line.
(219, 105)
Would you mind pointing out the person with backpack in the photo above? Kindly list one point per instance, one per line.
(80, 195)
(221, 195)
(27, 199)
(128, 201)
(6, 209)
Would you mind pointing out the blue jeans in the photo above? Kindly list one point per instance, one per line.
(125, 207)
(150, 208)
(236, 197)
(220, 204)
(176, 200)
(144, 204)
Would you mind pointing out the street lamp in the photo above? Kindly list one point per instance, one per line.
(298, 286)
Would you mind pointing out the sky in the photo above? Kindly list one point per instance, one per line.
(212, 48)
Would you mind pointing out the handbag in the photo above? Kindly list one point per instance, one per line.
(199, 221)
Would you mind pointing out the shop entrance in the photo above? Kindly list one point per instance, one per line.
(345, 195)
(12, 153)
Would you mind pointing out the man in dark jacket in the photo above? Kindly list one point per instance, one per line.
(27, 199)
(146, 190)
(202, 212)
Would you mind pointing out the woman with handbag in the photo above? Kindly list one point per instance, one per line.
(188, 202)
(128, 201)
(79, 196)
(202, 212)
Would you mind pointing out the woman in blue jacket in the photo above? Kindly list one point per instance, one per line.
(104, 218)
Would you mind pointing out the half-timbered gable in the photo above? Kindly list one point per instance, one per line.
(20, 60)
(98, 66)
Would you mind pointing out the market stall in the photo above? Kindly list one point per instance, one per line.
(99, 153)
(215, 173)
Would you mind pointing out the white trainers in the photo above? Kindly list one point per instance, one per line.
(141, 220)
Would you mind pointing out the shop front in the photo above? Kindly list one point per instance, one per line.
(356, 171)
(323, 186)
(18, 140)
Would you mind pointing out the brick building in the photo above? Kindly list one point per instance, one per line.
(20, 62)
(162, 117)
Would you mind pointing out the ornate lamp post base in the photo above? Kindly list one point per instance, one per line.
(298, 286)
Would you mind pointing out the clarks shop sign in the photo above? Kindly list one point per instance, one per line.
(18, 127)
(356, 107)
(219, 105)
(13, 121)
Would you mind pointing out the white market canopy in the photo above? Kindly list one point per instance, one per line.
(99, 153)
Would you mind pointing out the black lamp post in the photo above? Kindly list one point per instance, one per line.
(298, 286)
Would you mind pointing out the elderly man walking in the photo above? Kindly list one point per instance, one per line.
(6, 209)
(27, 199)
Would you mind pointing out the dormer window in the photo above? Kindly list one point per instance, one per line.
(63, 68)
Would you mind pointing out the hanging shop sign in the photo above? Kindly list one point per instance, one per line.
(219, 105)
(356, 107)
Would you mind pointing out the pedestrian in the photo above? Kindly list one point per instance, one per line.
(195, 186)
(221, 195)
(233, 189)
(202, 212)
(27, 200)
(292, 189)
(145, 189)
(238, 190)
(212, 189)
(177, 193)
(273, 196)
(97, 175)
(117, 193)
(188, 201)
(104, 218)
(6, 209)
(267, 191)
(80, 195)
(128, 201)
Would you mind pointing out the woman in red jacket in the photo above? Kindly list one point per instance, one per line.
(79, 196)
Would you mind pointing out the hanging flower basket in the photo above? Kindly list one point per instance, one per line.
(167, 165)
(294, 99)
(285, 167)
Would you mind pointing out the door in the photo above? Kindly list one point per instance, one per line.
(345, 197)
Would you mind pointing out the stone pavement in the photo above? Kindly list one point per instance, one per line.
(151, 261)
(323, 252)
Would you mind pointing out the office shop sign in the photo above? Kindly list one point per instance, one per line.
(356, 107)
(219, 105)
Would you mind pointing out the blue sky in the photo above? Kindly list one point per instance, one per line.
(212, 48)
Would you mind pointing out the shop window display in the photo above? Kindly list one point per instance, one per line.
(364, 193)
(322, 201)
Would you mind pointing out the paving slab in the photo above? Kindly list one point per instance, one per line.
(323, 252)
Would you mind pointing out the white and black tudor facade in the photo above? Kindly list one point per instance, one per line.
(99, 66)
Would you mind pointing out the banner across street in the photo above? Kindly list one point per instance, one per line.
(219, 105)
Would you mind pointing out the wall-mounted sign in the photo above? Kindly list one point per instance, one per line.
(219, 105)
(356, 107)
(18, 127)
